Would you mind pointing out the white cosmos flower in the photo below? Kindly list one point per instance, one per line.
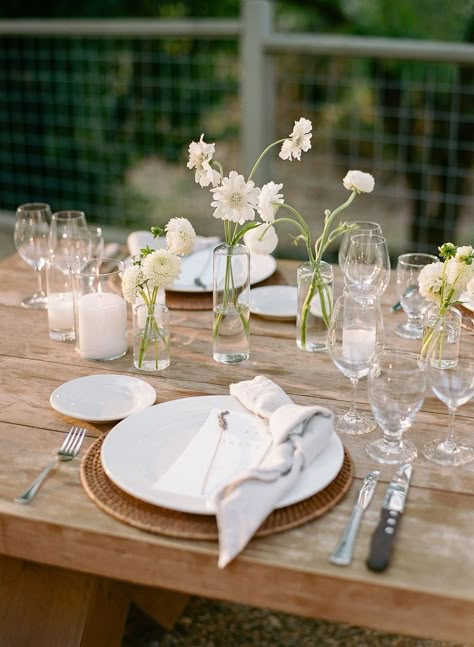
(180, 236)
(262, 239)
(430, 281)
(458, 273)
(200, 156)
(269, 201)
(235, 199)
(299, 140)
(161, 269)
(359, 181)
(132, 280)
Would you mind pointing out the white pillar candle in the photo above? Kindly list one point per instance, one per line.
(358, 344)
(60, 311)
(102, 325)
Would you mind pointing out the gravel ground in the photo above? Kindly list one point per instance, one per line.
(208, 623)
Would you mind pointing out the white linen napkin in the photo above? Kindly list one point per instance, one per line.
(137, 240)
(299, 434)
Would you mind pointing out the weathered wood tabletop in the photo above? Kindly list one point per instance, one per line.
(68, 570)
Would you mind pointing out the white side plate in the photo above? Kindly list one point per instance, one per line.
(274, 302)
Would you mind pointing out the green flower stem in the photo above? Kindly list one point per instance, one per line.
(229, 294)
(262, 155)
(151, 326)
(323, 241)
(324, 293)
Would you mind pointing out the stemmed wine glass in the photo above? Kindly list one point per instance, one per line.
(354, 336)
(69, 236)
(454, 387)
(31, 241)
(367, 261)
(363, 227)
(413, 303)
(396, 387)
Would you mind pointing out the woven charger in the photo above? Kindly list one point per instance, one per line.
(146, 516)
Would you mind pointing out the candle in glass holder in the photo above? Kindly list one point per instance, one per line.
(358, 344)
(102, 325)
(60, 311)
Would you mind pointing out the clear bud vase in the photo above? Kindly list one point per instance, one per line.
(151, 337)
(231, 287)
(314, 308)
(441, 336)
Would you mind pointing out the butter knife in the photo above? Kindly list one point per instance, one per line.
(342, 556)
(393, 505)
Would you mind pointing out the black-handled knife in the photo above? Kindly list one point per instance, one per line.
(393, 505)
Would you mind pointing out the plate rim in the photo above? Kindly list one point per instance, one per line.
(197, 504)
(268, 315)
(87, 418)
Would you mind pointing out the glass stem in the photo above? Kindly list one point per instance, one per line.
(449, 443)
(40, 280)
(352, 410)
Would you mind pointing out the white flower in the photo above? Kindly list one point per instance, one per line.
(235, 199)
(465, 253)
(200, 156)
(180, 236)
(458, 273)
(299, 140)
(359, 181)
(430, 281)
(470, 288)
(262, 239)
(132, 280)
(161, 269)
(269, 201)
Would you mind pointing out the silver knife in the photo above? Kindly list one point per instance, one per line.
(342, 556)
(393, 505)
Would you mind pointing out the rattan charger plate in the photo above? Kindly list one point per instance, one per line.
(114, 501)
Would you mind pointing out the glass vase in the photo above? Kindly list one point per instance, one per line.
(231, 287)
(151, 337)
(314, 307)
(441, 335)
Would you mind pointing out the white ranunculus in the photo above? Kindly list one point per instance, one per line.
(200, 157)
(430, 282)
(161, 269)
(269, 201)
(299, 140)
(132, 280)
(235, 199)
(262, 239)
(458, 273)
(359, 181)
(464, 253)
(180, 236)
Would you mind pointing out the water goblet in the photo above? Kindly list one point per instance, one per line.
(68, 235)
(396, 387)
(31, 242)
(413, 303)
(96, 236)
(454, 386)
(353, 337)
(363, 227)
(367, 261)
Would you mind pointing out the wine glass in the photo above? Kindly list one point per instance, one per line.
(367, 261)
(363, 227)
(396, 387)
(354, 335)
(69, 236)
(97, 241)
(31, 242)
(454, 386)
(413, 303)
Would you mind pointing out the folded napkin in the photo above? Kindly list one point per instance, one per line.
(137, 240)
(299, 434)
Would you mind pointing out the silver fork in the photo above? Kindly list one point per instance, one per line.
(68, 450)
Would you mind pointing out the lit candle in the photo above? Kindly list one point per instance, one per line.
(358, 344)
(60, 311)
(102, 325)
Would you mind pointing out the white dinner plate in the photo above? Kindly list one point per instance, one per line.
(199, 265)
(138, 451)
(102, 398)
(467, 301)
(274, 301)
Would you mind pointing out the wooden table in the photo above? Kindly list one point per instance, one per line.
(69, 570)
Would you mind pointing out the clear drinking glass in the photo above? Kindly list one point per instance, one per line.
(396, 387)
(413, 303)
(69, 236)
(363, 227)
(60, 298)
(31, 241)
(353, 339)
(454, 387)
(367, 261)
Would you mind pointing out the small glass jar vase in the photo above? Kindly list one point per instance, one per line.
(314, 306)
(100, 311)
(441, 336)
(231, 291)
(151, 337)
